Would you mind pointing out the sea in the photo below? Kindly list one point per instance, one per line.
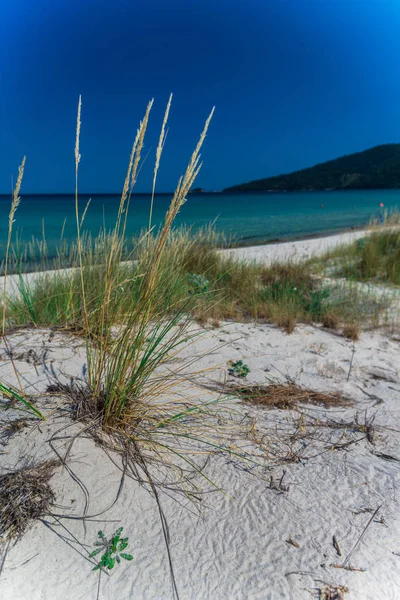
(244, 218)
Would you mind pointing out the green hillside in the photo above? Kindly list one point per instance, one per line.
(376, 168)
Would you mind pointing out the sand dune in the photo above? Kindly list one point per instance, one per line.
(233, 545)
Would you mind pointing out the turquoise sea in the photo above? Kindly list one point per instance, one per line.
(248, 218)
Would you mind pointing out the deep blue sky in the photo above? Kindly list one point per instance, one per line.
(295, 82)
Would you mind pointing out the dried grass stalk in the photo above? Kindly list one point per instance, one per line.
(14, 205)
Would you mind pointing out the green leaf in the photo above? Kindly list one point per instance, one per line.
(122, 545)
(127, 556)
(116, 539)
(118, 559)
(111, 562)
(95, 552)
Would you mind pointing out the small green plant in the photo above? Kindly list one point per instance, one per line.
(199, 283)
(113, 549)
(239, 369)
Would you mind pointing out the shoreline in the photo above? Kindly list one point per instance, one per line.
(296, 238)
(296, 251)
(241, 245)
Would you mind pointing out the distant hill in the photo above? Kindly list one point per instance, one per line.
(376, 168)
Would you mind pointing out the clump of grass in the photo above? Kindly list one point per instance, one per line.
(8, 390)
(285, 396)
(25, 496)
(374, 258)
(121, 363)
(331, 320)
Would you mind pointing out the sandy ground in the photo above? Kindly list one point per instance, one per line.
(295, 251)
(232, 545)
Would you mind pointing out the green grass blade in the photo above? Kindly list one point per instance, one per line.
(13, 394)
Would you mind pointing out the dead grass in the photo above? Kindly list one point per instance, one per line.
(25, 496)
(352, 331)
(285, 396)
(331, 320)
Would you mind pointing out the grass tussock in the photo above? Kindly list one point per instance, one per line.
(133, 303)
(25, 496)
(285, 396)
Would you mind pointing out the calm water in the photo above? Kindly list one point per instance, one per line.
(247, 217)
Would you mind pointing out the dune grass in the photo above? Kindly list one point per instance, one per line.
(133, 308)
(374, 258)
(194, 278)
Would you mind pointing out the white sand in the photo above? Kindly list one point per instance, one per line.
(295, 251)
(236, 547)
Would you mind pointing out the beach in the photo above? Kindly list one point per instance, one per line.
(294, 251)
(200, 301)
(314, 511)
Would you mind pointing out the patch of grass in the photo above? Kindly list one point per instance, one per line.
(192, 274)
(331, 320)
(374, 258)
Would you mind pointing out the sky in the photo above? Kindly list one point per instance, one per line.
(294, 82)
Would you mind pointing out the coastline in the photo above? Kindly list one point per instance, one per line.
(242, 246)
(262, 241)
